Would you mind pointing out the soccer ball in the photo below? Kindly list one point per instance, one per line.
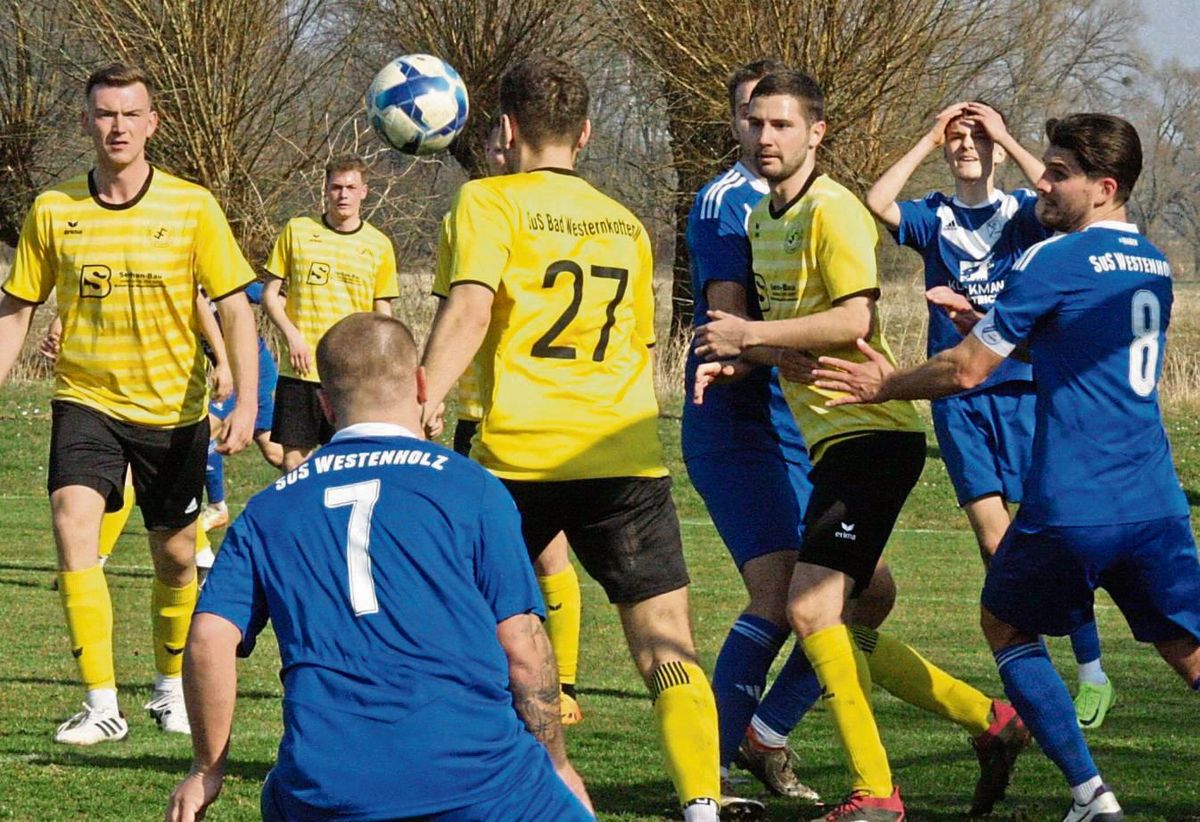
(417, 104)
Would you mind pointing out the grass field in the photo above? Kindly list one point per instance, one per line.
(1144, 749)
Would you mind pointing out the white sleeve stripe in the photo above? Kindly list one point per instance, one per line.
(715, 192)
(987, 333)
(1032, 251)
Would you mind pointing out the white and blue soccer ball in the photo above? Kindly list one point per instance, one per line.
(417, 104)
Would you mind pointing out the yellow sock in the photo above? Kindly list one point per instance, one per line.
(111, 525)
(202, 541)
(563, 609)
(904, 673)
(687, 727)
(88, 608)
(833, 656)
(171, 615)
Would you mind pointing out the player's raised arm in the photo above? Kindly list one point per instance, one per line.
(459, 327)
(956, 369)
(993, 123)
(881, 198)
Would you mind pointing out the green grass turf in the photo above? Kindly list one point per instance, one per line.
(1144, 749)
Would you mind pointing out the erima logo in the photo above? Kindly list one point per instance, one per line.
(173, 651)
(72, 228)
(77, 652)
(557, 607)
(847, 532)
(192, 506)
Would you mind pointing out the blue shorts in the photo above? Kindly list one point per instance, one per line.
(756, 498)
(986, 440)
(1042, 578)
(539, 797)
(268, 375)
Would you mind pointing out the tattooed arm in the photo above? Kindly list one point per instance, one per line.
(533, 680)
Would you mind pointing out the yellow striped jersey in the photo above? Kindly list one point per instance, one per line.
(126, 279)
(819, 250)
(565, 373)
(470, 406)
(328, 275)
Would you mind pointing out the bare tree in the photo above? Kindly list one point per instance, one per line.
(479, 38)
(886, 66)
(33, 99)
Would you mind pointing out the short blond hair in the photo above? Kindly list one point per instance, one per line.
(339, 165)
(367, 359)
(117, 75)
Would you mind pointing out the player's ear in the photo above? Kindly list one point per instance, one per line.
(584, 135)
(421, 385)
(327, 407)
(816, 133)
(152, 126)
(999, 155)
(508, 131)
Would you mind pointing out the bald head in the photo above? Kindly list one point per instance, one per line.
(368, 367)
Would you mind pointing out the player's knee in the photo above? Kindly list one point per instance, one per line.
(998, 633)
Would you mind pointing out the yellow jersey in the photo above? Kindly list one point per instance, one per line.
(470, 407)
(819, 250)
(565, 368)
(328, 275)
(126, 278)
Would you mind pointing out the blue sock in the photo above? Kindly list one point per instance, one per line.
(214, 474)
(1042, 700)
(1196, 684)
(740, 676)
(793, 692)
(1085, 642)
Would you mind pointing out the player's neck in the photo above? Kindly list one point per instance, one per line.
(403, 417)
(342, 224)
(550, 156)
(785, 191)
(120, 184)
(974, 192)
(1108, 213)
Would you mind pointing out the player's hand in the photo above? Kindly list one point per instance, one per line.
(192, 796)
(237, 429)
(957, 307)
(722, 337)
(51, 344)
(861, 382)
(222, 382)
(989, 118)
(937, 132)
(796, 366)
(708, 373)
(433, 420)
(575, 783)
(300, 355)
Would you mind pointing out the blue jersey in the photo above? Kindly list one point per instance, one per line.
(1094, 306)
(971, 249)
(751, 414)
(384, 564)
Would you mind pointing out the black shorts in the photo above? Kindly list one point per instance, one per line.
(299, 421)
(92, 449)
(859, 486)
(464, 430)
(623, 529)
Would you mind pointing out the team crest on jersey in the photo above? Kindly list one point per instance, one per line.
(791, 243)
(160, 235)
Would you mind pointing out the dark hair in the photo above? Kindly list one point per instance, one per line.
(548, 98)
(339, 165)
(1104, 146)
(797, 84)
(754, 70)
(117, 75)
